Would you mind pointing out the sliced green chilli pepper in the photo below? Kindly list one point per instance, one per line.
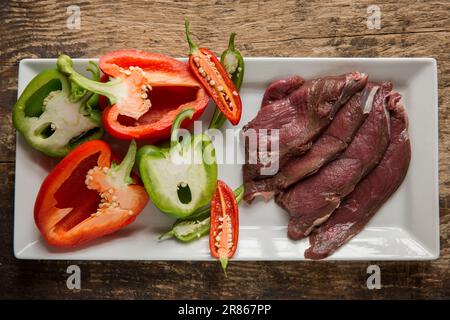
(54, 115)
(188, 230)
(182, 178)
(197, 225)
(233, 62)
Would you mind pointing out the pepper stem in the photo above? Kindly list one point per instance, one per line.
(239, 193)
(186, 113)
(224, 264)
(94, 70)
(192, 45)
(65, 65)
(123, 170)
(231, 41)
(165, 236)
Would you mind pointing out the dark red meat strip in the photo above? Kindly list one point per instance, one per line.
(370, 194)
(300, 117)
(280, 89)
(311, 201)
(332, 142)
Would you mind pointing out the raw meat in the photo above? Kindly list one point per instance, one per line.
(370, 194)
(310, 202)
(332, 142)
(280, 89)
(299, 116)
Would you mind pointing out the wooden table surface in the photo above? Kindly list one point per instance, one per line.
(35, 29)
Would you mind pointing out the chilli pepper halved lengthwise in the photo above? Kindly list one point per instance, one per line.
(198, 224)
(146, 91)
(87, 196)
(233, 63)
(211, 73)
(224, 230)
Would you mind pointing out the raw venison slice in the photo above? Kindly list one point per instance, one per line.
(332, 142)
(370, 194)
(262, 187)
(280, 89)
(310, 202)
(277, 91)
(300, 117)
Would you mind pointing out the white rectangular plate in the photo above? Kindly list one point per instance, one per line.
(405, 228)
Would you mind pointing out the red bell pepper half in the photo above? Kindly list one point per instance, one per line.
(146, 91)
(173, 88)
(87, 196)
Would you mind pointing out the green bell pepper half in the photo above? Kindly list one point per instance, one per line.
(54, 115)
(181, 178)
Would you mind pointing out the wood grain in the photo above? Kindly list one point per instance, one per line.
(265, 28)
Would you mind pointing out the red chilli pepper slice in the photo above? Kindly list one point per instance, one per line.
(224, 231)
(210, 72)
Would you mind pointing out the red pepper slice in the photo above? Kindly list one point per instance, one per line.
(86, 196)
(224, 230)
(173, 89)
(210, 72)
